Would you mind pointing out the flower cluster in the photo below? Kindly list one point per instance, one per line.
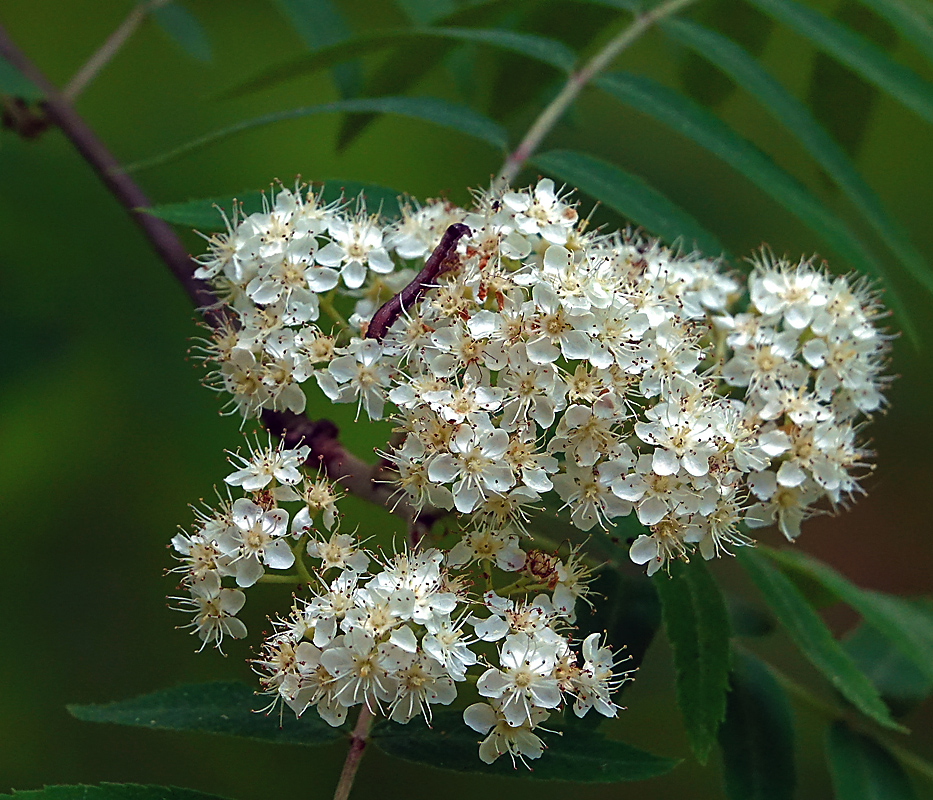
(524, 359)
(606, 369)
(398, 638)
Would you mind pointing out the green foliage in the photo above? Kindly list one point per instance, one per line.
(799, 122)
(855, 52)
(862, 769)
(584, 756)
(909, 627)
(908, 20)
(204, 214)
(184, 30)
(757, 735)
(814, 639)
(899, 681)
(697, 626)
(539, 48)
(630, 196)
(320, 23)
(694, 122)
(227, 708)
(111, 791)
(430, 109)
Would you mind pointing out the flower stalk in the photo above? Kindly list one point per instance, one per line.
(548, 118)
(358, 741)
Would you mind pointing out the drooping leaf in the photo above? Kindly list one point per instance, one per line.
(814, 639)
(856, 52)
(539, 48)
(861, 769)
(204, 214)
(908, 20)
(183, 28)
(694, 122)
(14, 84)
(629, 196)
(757, 736)
(909, 627)
(227, 708)
(430, 109)
(794, 116)
(320, 23)
(583, 757)
(842, 100)
(738, 21)
(697, 627)
(111, 791)
(900, 682)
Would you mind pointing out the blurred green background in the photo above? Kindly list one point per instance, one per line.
(106, 434)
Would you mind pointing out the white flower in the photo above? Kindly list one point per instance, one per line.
(256, 539)
(421, 683)
(475, 465)
(594, 683)
(518, 741)
(215, 611)
(446, 643)
(356, 244)
(526, 679)
(361, 669)
(267, 463)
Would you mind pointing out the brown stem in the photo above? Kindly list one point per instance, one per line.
(160, 234)
(357, 745)
(440, 261)
(320, 435)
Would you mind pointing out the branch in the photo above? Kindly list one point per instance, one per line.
(440, 261)
(160, 235)
(109, 49)
(321, 436)
(548, 118)
(357, 744)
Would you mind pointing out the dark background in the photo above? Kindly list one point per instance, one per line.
(106, 435)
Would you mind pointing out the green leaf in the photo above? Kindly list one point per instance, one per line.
(757, 736)
(811, 635)
(909, 627)
(746, 619)
(697, 626)
(227, 708)
(424, 12)
(183, 29)
(539, 48)
(908, 20)
(204, 214)
(856, 52)
(585, 756)
(694, 122)
(319, 23)
(430, 109)
(14, 84)
(111, 791)
(629, 196)
(794, 116)
(900, 682)
(861, 769)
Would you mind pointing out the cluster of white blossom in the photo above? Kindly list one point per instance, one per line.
(545, 357)
(401, 637)
(523, 357)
